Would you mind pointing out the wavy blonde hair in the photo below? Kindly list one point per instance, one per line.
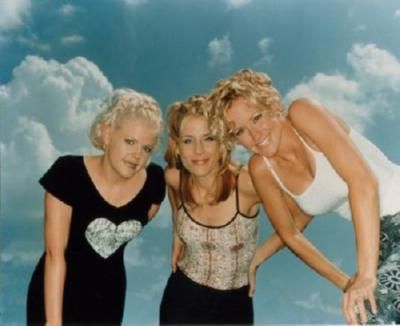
(125, 103)
(247, 84)
(177, 112)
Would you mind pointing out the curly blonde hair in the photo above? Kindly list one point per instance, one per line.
(195, 106)
(249, 85)
(125, 103)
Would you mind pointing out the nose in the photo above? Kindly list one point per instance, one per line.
(255, 133)
(199, 147)
(136, 150)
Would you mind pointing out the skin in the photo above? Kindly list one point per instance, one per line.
(118, 175)
(200, 154)
(275, 138)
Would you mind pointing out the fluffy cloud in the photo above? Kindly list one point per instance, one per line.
(375, 68)
(72, 40)
(13, 12)
(369, 89)
(46, 110)
(264, 45)
(134, 3)
(236, 4)
(67, 10)
(397, 13)
(314, 302)
(220, 51)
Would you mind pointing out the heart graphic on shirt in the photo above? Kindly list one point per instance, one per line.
(105, 237)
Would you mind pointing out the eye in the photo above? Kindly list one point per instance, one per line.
(148, 149)
(130, 141)
(237, 132)
(210, 138)
(186, 141)
(257, 117)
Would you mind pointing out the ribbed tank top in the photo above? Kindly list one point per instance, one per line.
(329, 193)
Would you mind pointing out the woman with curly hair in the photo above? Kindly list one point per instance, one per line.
(94, 205)
(214, 208)
(307, 160)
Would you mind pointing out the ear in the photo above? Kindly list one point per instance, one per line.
(106, 130)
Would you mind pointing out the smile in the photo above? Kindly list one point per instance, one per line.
(264, 141)
(200, 162)
(131, 165)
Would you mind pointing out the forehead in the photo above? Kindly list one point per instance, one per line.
(141, 129)
(240, 112)
(192, 124)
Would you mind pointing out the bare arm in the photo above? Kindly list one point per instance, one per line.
(327, 134)
(57, 223)
(282, 220)
(172, 179)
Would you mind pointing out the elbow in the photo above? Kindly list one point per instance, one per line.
(367, 185)
(290, 238)
(53, 255)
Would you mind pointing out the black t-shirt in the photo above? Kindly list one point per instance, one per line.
(95, 282)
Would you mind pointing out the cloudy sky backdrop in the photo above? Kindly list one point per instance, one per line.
(59, 59)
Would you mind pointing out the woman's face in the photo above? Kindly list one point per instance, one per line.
(255, 129)
(198, 147)
(129, 146)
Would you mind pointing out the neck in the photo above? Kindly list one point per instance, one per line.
(204, 189)
(290, 144)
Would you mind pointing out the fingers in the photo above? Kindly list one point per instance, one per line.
(252, 281)
(372, 302)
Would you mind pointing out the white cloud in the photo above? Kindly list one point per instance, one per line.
(135, 3)
(241, 154)
(264, 45)
(315, 303)
(236, 4)
(336, 93)
(13, 13)
(367, 91)
(220, 51)
(72, 40)
(46, 110)
(397, 13)
(33, 42)
(19, 253)
(67, 10)
(361, 28)
(375, 68)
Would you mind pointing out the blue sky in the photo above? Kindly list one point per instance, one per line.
(58, 59)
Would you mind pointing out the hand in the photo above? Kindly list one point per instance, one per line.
(252, 279)
(357, 291)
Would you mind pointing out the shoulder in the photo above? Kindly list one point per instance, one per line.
(172, 176)
(66, 164)
(302, 108)
(260, 173)
(155, 173)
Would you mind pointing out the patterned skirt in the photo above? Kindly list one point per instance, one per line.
(388, 289)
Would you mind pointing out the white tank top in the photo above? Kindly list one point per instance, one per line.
(329, 193)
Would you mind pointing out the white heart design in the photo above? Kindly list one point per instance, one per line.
(105, 237)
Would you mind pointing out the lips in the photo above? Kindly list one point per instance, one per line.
(264, 141)
(200, 162)
(132, 165)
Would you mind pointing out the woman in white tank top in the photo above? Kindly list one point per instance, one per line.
(309, 162)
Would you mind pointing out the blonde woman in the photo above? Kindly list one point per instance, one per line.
(94, 205)
(215, 227)
(309, 161)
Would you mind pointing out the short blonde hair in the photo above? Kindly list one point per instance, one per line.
(125, 103)
(249, 85)
(195, 106)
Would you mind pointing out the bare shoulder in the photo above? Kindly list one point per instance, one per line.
(172, 178)
(302, 111)
(257, 166)
(245, 183)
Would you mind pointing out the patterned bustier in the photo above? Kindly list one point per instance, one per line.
(217, 256)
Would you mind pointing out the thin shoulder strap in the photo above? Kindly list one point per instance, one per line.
(276, 177)
(237, 191)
